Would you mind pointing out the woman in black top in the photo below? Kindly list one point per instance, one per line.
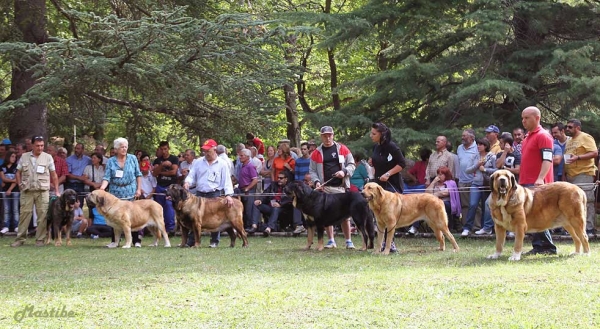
(387, 159)
(11, 192)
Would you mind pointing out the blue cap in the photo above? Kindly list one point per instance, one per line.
(6, 141)
(492, 129)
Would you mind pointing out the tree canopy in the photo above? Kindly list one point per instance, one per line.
(220, 69)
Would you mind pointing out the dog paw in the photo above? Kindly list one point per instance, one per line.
(575, 253)
(126, 247)
(57, 244)
(494, 255)
(306, 247)
(167, 246)
(69, 243)
(515, 257)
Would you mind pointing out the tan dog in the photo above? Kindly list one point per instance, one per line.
(127, 216)
(394, 210)
(196, 213)
(521, 210)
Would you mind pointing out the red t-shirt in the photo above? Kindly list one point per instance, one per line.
(418, 170)
(531, 156)
(260, 146)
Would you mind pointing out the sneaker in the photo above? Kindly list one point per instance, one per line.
(392, 247)
(4, 230)
(267, 232)
(465, 233)
(17, 244)
(79, 235)
(331, 244)
(16, 230)
(299, 229)
(412, 231)
(94, 236)
(251, 230)
(510, 234)
(213, 245)
(137, 245)
(483, 232)
(350, 245)
(112, 245)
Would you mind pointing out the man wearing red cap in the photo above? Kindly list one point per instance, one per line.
(165, 171)
(212, 178)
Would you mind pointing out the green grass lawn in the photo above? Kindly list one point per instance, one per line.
(275, 284)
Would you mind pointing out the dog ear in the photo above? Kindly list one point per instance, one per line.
(63, 201)
(100, 200)
(513, 181)
(183, 194)
(492, 180)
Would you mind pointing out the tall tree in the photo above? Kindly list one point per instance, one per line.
(29, 113)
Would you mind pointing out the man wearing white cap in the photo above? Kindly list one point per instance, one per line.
(331, 166)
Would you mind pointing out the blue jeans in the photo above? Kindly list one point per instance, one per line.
(168, 211)
(477, 197)
(251, 214)
(542, 241)
(275, 212)
(11, 207)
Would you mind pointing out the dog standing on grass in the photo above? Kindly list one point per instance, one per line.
(60, 214)
(395, 210)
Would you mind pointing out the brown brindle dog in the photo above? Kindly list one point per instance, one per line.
(197, 214)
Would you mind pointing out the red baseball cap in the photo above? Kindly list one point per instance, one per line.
(210, 143)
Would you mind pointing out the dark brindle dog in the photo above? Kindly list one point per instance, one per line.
(322, 209)
(60, 214)
(211, 214)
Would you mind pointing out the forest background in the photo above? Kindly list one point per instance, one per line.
(187, 70)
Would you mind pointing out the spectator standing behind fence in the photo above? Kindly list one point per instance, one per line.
(125, 178)
(94, 174)
(302, 163)
(266, 172)
(418, 171)
(283, 161)
(580, 166)
(33, 177)
(165, 171)
(560, 140)
(360, 175)
(62, 169)
(10, 191)
(77, 163)
(465, 151)
(441, 157)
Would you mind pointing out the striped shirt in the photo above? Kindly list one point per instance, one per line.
(437, 160)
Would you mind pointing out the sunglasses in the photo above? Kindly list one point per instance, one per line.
(281, 177)
(38, 138)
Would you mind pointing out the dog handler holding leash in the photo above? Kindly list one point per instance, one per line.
(388, 161)
(213, 179)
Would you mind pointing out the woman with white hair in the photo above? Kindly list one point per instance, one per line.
(123, 174)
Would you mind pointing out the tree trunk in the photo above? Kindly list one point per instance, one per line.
(291, 98)
(25, 122)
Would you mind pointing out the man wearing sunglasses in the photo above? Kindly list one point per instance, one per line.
(34, 171)
(580, 166)
(276, 203)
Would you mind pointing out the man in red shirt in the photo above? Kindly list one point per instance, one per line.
(62, 169)
(260, 146)
(536, 169)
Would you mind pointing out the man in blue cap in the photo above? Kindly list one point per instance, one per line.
(491, 133)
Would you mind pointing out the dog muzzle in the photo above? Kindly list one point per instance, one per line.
(502, 186)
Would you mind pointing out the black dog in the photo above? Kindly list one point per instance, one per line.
(60, 214)
(322, 209)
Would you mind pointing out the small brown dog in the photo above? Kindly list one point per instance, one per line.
(197, 214)
(521, 210)
(60, 214)
(394, 210)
